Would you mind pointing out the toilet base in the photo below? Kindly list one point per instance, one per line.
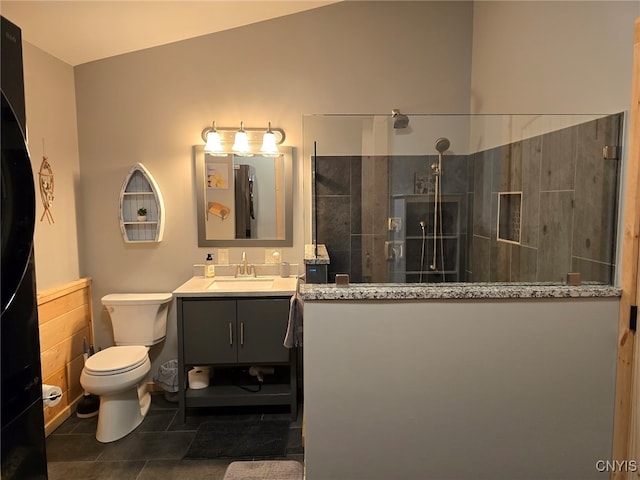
(121, 413)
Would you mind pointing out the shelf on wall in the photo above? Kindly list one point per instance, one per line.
(140, 190)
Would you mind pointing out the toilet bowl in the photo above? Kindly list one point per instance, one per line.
(114, 375)
(117, 374)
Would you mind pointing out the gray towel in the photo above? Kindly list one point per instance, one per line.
(293, 337)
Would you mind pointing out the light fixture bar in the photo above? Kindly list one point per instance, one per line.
(255, 134)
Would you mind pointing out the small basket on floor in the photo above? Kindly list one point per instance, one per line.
(264, 470)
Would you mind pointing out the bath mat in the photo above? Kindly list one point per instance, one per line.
(261, 439)
(264, 470)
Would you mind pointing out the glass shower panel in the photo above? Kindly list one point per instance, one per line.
(420, 204)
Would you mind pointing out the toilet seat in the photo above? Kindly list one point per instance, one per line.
(116, 360)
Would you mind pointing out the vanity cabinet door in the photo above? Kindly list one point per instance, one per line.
(262, 325)
(210, 334)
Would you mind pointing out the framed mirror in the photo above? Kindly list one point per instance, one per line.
(244, 200)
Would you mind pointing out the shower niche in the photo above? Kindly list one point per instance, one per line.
(509, 217)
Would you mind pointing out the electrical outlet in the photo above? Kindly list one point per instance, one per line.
(272, 255)
(223, 256)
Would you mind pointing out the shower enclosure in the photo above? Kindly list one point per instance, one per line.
(464, 198)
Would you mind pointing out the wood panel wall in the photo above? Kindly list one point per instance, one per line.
(65, 319)
(625, 434)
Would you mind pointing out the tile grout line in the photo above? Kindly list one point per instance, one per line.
(138, 477)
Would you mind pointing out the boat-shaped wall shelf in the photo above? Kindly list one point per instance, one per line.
(141, 207)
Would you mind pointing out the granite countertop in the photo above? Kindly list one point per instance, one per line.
(409, 291)
(310, 257)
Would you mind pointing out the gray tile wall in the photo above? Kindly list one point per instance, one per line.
(455, 186)
(335, 209)
(569, 195)
(568, 209)
(352, 204)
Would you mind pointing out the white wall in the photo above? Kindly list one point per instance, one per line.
(150, 106)
(459, 389)
(52, 131)
(552, 56)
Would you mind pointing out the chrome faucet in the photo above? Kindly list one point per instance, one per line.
(245, 269)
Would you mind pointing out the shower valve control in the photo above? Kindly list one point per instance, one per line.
(393, 250)
(395, 224)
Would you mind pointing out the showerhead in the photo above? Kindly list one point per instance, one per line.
(399, 119)
(442, 144)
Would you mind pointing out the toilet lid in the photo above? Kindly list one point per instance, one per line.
(136, 298)
(114, 360)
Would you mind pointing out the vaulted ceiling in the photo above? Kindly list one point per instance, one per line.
(81, 31)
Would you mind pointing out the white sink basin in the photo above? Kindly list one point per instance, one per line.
(238, 284)
(229, 286)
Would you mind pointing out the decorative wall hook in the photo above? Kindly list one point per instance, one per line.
(46, 187)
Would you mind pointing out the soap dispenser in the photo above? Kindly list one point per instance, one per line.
(210, 268)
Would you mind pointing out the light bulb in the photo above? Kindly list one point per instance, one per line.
(214, 143)
(269, 145)
(241, 142)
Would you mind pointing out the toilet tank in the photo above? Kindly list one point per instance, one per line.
(138, 318)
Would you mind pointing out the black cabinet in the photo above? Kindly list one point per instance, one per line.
(230, 333)
(22, 440)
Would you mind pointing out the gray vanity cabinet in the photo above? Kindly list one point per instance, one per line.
(235, 333)
(209, 328)
(262, 325)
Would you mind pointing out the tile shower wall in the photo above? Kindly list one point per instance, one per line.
(352, 210)
(567, 217)
(413, 201)
(569, 192)
(353, 197)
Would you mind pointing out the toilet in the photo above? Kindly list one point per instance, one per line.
(117, 374)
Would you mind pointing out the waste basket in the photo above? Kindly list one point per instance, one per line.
(167, 378)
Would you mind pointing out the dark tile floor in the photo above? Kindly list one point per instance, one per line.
(156, 449)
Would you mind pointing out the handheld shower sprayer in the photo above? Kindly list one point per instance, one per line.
(442, 144)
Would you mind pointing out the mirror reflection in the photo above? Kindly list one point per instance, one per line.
(244, 199)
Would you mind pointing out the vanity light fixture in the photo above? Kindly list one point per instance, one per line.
(244, 142)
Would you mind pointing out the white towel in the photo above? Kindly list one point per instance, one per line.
(293, 337)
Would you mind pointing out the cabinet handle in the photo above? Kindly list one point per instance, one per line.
(242, 333)
(230, 334)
